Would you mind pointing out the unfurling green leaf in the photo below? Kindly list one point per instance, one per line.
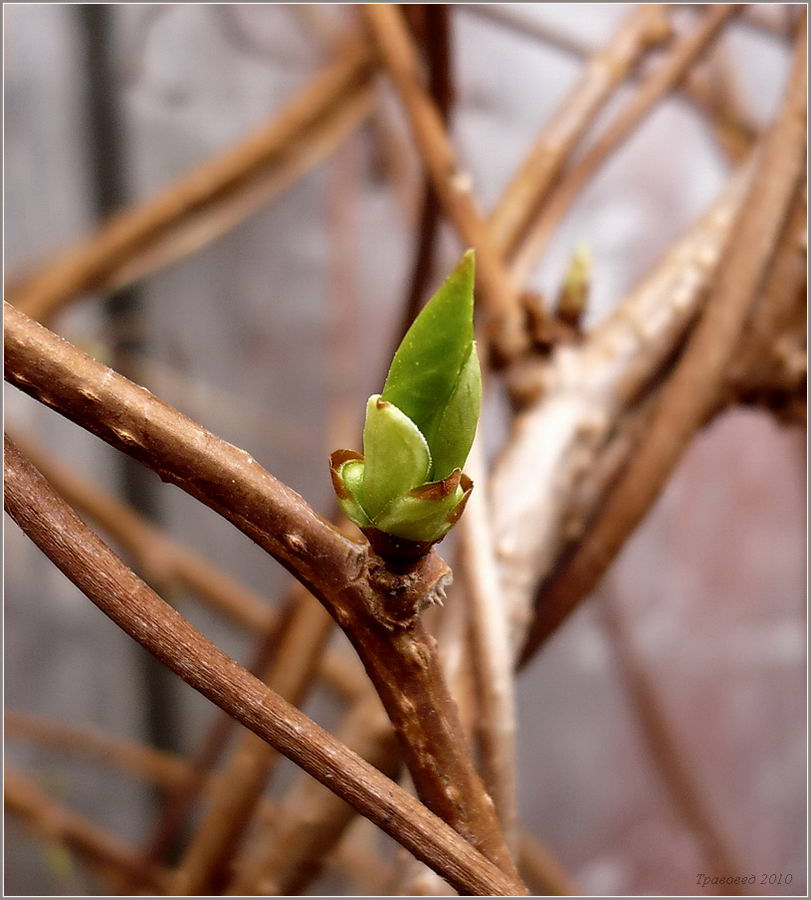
(419, 431)
(397, 455)
(428, 364)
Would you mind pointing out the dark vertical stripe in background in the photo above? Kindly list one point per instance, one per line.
(125, 316)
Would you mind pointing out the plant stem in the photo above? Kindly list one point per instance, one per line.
(134, 607)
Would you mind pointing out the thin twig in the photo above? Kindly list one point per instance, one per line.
(685, 51)
(138, 759)
(730, 124)
(692, 390)
(203, 868)
(135, 608)
(452, 184)
(541, 869)
(645, 27)
(505, 15)
(201, 227)
(311, 820)
(712, 88)
(437, 48)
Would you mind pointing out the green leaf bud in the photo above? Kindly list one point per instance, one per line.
(419, 431)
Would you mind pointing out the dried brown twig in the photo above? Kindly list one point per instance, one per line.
(451, 183)
(143, 615)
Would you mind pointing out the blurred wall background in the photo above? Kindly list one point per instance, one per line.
(256, 337)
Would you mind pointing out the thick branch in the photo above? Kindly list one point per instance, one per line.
(544, 481)
(691, 392)
(134, 607)
(378, 610)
